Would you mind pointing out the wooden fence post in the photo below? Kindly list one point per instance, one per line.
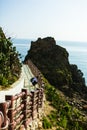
(3, 109)
(41, 97)
(32, 104)
(10, 111)
(38, 101)
(24, 101)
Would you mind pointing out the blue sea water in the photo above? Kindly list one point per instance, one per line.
(77, 52)
(22, 46)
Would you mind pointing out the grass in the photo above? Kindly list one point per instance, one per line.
(62, 115)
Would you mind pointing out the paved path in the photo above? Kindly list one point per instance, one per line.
(27, 76)
(13, 90)
(23, 82)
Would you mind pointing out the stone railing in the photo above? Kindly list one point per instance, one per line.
(19, 110)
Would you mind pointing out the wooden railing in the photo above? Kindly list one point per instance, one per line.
(21, 109)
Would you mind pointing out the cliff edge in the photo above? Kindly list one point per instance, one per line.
(52, 60)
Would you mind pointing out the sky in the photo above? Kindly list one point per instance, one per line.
(62, 19)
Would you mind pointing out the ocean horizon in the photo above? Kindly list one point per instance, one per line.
(77, 52)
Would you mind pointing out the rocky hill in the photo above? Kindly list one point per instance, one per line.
(52, 60)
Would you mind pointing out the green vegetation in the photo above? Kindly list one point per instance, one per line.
(10, 66)
(64, 116)
(46, 123)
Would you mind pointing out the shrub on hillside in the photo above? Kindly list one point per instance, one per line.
(10, 66)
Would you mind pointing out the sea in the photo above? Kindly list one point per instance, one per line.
(77, 52)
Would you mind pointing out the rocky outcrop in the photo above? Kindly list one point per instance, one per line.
(52, 61)
(48, 57)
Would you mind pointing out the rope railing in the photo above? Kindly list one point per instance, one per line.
(20, 109)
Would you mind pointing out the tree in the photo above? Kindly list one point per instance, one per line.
(10, 66)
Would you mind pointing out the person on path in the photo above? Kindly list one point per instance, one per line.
(34, 80)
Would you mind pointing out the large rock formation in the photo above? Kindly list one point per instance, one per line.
(52, 61)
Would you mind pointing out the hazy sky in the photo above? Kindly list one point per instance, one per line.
(61, 19)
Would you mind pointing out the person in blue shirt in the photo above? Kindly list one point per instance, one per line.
(34, 80)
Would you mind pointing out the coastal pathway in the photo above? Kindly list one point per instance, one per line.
(27, 76)
(23, 82)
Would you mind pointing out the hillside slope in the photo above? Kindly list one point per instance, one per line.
(52, 60)
(68, 107)
(10, 66)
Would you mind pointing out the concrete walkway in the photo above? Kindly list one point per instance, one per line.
(13, 90)
(27, 76)
(23, 82)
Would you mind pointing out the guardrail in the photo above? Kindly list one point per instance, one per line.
(36, 72)
(20, 109)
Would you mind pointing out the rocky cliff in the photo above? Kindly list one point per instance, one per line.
(52, 60)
